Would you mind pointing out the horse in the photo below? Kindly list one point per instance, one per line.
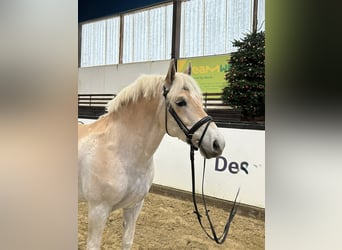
(115, 152)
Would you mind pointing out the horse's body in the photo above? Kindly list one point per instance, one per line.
(115, 153)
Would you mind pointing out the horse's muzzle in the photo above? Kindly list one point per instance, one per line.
(213, 149)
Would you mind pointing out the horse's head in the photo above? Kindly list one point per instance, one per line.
(185, 117)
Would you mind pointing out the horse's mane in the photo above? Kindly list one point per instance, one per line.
(145, 86)
(148, 86)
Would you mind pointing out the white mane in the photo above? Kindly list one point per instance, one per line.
(148, 86)
(144, 86)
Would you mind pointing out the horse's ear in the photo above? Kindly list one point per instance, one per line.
(170, 74)
(188, 70)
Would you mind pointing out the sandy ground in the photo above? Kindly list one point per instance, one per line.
(168, 223)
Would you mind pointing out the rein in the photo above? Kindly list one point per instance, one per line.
(189, 133)
(214, 237)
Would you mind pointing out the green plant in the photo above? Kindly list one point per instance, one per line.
(246, 76)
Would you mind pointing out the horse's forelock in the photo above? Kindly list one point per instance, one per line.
(184, 82)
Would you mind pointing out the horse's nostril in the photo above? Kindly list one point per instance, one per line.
(216, 146)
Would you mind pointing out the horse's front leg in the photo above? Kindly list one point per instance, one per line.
(130, 216)
(97, 218)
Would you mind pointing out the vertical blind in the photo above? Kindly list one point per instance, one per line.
(209, 26)
(261, 15)
(100, 42)
(147, 35)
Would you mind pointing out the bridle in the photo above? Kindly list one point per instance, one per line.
(189, 133)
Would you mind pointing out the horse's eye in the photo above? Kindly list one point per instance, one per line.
(181, 103)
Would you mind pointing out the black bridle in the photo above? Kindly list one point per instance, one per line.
(189, 133)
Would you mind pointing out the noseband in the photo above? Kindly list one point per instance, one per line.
(189, 133)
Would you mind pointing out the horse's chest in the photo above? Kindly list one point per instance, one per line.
(139, 183)
(135, 191)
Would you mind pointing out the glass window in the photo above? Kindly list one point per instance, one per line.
(148, 35)
(208, 27)
(100, 42)
(261, 15)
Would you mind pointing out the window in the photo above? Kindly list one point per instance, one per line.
(148, 35)
(209, 26)
(100, 42)
(261, 15)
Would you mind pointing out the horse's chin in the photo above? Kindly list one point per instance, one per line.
(208, 155)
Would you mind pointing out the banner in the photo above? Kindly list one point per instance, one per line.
(208, 71)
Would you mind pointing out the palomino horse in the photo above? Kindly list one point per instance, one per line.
(115, 153)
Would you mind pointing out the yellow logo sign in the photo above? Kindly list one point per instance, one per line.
(208, 71)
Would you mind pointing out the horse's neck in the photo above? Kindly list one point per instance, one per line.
(139, 127)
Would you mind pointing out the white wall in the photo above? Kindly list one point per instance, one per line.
(242, 164)
(111, 79)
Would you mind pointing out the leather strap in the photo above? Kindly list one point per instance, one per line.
(189, 133)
